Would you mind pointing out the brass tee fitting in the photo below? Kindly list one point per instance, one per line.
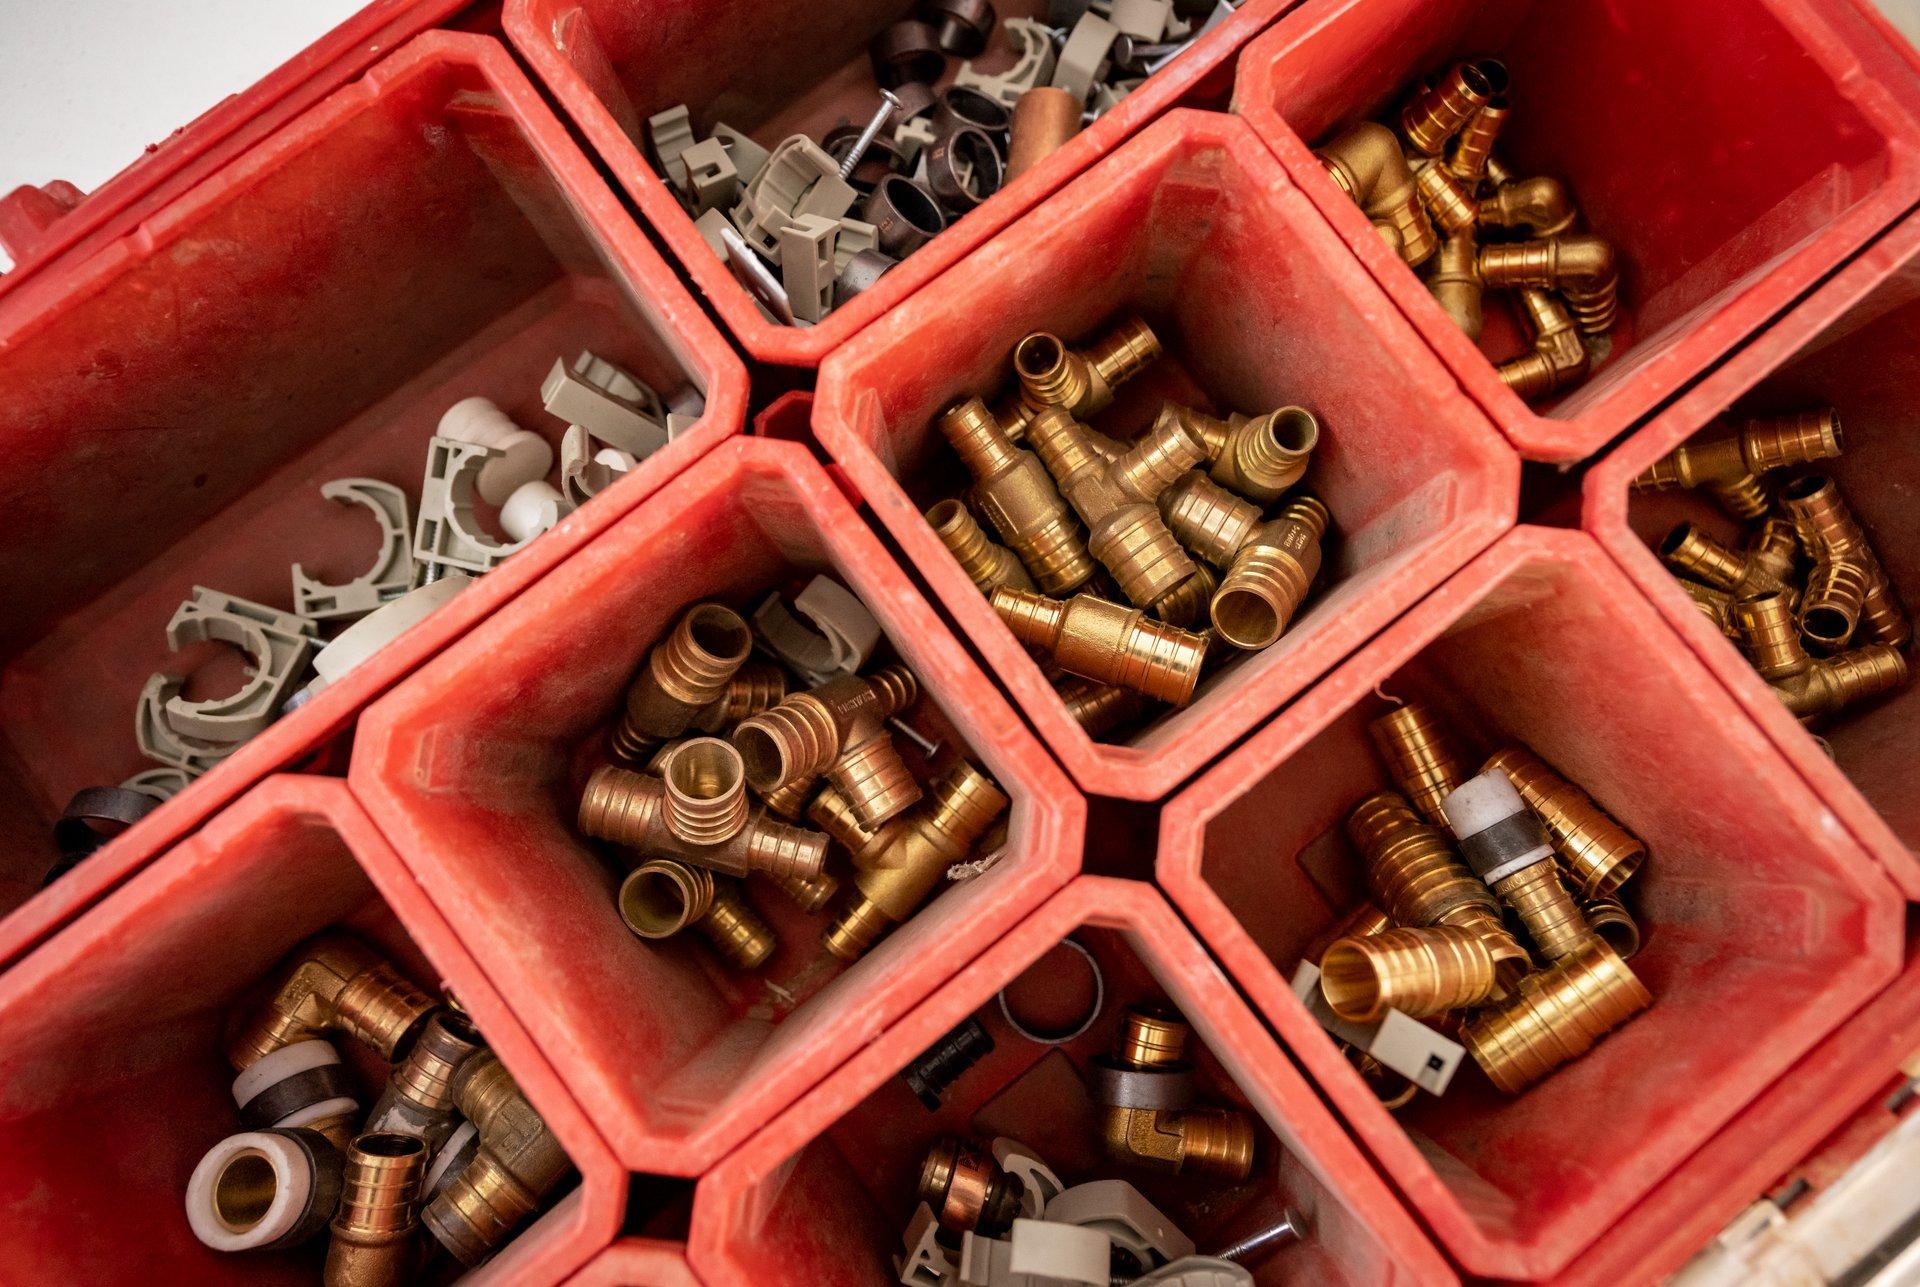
(663, 896)
(1270, 576)
(1475, 146)
(686, 673)
(1082, 382)
(1728, 466)
(418, 1100)
(1831, 534)
(1540, 205)
(1433, 116)
(630, 809)
(1556, 1016)
(838, 729)
(1367, 164)
(1419, 972)
(1100, 708)
(1146, 1088)
(1257, 457)
(986, 564)
(1715, 605)
(1581, 266)
(1598, 853)
(1107, 642)
(334, 984)
(1015, 492)
(1421, 756)
(753, 688)
(1691, 551)
(374, 1230)
(1507, 846)
(1808, 687)
(967, 1190)
(1455, 284)
(1558, 357)
(519, 1162)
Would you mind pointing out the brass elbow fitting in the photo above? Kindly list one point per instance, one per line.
(1558, 357)
(519, 1162)
(1146, 1087)
(1448, 200)
(373, 1242)
(1271, 575)
(418, 1099)
(942, 831)
(753, 688)
(1728, 466)
(335, 984)
(663, 896)
(1598, 853)
(686, 673)
(967, 1190)
(837, 729)
(1507, 846)
(1475, 146)
(1690, 551)
(1257, 457)
(1831, 533)
(1455, 283)
(1100, 708)
(1613, 924)
(1540, 205)
(1421, 756)
(1017, 495)
(1367, 164)
(1581, 266)
(1082, 382)
(986, 564)
(1556, 1016)
(630, 809)
(1418, 972)
(1433, 116)
(1107, 642)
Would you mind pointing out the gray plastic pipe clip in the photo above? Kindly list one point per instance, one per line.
(844, 634)
(392, 573)
(448, 536)
(610, 404)
(277, 644)
(1033, 64)
(1118, 1210)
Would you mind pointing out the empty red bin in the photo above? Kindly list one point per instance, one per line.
(113, 1083)
(825, 1191)
(1764, 923)
(1734, 154)
(469, 769)
(638, 1262)
(427, 233)
(1195, 227)
(1851, 345)
(774, 69)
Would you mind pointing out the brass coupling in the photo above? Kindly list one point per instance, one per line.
(1557, 358)
(1210, 521)
(753, 688)
(1540, 205)
(630, 809)
(967, 1190)
(986, 563)
(1099, 708)
(684, 675)
(1017, 495)
(1367, 163)
(1270, 576)
(1598, 853)
(664, 896)
(1418, 879)
(1454, 282)
(1257, 457)
(1433, 116)
(1555, 1016)
(1107, 642)
(1082, 382)
(1146, 1089)
(1507, 846)
(518, 1163)
(418, 1099)
(373, 1242)
(1831, 534)
(1689, 550)
(1582, 267)
(334, 984)
(1421, 756)
(1419, 972)
(837, 729)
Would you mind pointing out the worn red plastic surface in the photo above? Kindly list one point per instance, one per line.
(1764, 923)
(1734, 153)
(472, 768)
(427, 233)
(1193, 225)
(757, 65)
(638, 1262)
(113, 1084)
(823, 1193)
(1853, 345)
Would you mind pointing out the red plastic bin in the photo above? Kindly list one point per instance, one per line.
(757, 65)
(469, 768)
(113, 1084)
(638, 1262)
(1764, 924)
(1734, 153)
(1851, 345)
(1195, 226)
(823, 1193)
(427, 233)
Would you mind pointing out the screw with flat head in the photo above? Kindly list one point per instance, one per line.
(889, 104)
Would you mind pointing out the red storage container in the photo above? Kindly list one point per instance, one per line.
(113, 1083)
(1853, 345)
(427, 233)
(1765, 924)
(758, 65)
(472, 768)
(1194, 226)
(825, 1191)
(638, 1262)
(1734, 153)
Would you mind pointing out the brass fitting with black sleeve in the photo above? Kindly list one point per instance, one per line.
(518, 1163)
(1081, 382)
(1812, 688)
(1146, 1090)
(1728, 466)
(374, 1242)
(838, 729)
(1507, 846)
(631, 809)
(334, 984)
(1015, 492)
(967, 1191)
(1107, 642)
(685, 675)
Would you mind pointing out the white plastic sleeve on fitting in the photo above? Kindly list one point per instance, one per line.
(1498, 833)
(524, 456)
(457, 1150)
(534, 507)
(292, 1185)
(288, 1061)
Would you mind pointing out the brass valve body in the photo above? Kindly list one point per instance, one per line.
(1107, 642)
(1419, 972)
(335, 984)
(1015, 492)
(838, 729)
(1831, 533)
(967, 1190)
(1557, 359)
(518, 1163)
(373, 1243)
(1421, 757)
(1599, 854)
(1556, 1016)
(629, 809)
(684, 675)
(1081, 382)
(1256, 457)
(1366, 163)
(663, 896)
(1270, 576)
(986, 564)
(1216, 1143)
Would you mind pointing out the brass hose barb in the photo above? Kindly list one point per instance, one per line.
(1270, 576)
(1691, 551)
(789, 801)
(1017, 495)
(1367, 163)
(1101, 708)
(1830, 532)
(1540, 205)
(1448, 200)
(839, 729)
(334, 984)
(967, 1190)
(1362, 921)
(1187, 604)
(834, 814)
(373, 1231)
(1434, 116)
(1146, 1087)
(1416, 876)
(1598, 853)
(1556, 1016)
(705, 802)
(1775, 548)
(1614, 925)
(518, 1163)
(1728, 465)
(1256, 457)
(1082, 382)
(1507, 846)
(754, 687)
(1210, 521)
(1454, 282)
(1107, 642)
(1421, 756)
(1833, 601)
(1715, 605)
(663, 896)
(810, 895)
(1475, 144)
(1419, 972)
(630, 809)
(686, 672)
(418, 1099)
(1766, 626)
(1558, 357)
(986, 564)
(1581, 266)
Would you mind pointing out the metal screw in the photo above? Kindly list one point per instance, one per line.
(889, 103)
(914, 735)
(1291, 1228)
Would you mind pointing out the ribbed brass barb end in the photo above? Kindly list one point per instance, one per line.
(986, 564)
(334, 984)
(1598, 853)
(839, 729)
(1691, 551)
(418, 1099)
(1540, 205)
(1209, 520)
(1507, 846)
(1414, 873)
(810, 895)
(629, 809)
(1146, 1087)
(789, 800)
(1581, 266)
(663, 896)
(1107, 642)
(1101, 708)
(1448, 199)
(1367, 163)
(1557, 359)
(1775, 548)
(518, 1163)
(1015, 492)
(1830, 532)
(1359, 923)
(1729, 464)
(1255, 457)
(1187, 604)
(1270, 576)
(1421, 755)
(1614, 924)
(1434, 116)
(706, 791)
(1082, 382)
(373, 1242)
(833, 813)
(1454, 282)
(754, 687)
(1419, 972)
(1475, 146)
(1557, 1016)
(1808, 687)
(967, 1190)
(686, 673)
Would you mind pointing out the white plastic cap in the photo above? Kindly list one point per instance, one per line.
(524, 456)
(1478, 803)
(288, 1061)
(533, 508)
(477, 420)
(615, 459)
(258, 1162)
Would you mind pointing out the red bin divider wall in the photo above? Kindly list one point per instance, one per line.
(1733, 152)
(823, 1193)
(467, 768)
(113, 1083)
(1764, 923)
(757, 65)
(638, 1262)
(427, 233)
(1196, 227)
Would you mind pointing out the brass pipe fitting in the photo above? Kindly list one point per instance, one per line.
(1455, 284)
(987, 565)
(1507, 846)
(1831, 605)
(663, 896)
(1775, 548)
(1580, 266)
(1419, 972)
(418, 1099)
(1101, 708)
(1107, 642)
(1434, 116)
(1728, 465)
(1017, 495)
(1556, 1016)
(834, 814)
(1557, 359)
(1146, 1088)
(629, 809)
(706, 791)
(942, 831)
(1598, 853)
(1082, 382)
(1210, 521)
(1691, 551)
(1616, 928)
(1475, 144)
(753, 688)
(264, 1190)
(1045, 118)
(1366, 163)
(1807, 687)
(1715, 605)
(1541, 205)
(1116, 500)
(1767, 628)
(967, 1190)
(810, 895)
(1830, 532)
(519, 1162)
(789, 800)
(686, 673)
(1187, 604)
(1447, 198)
(1362, 921)
(837, 729)
(1256, 457)
(334, 984)
(1422, 757)
(1271, 575)
(373, 1242)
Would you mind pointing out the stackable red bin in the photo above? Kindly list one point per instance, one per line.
(471, 768)
(773, 69)
(1258, 305)
(425, 234)
(638, 1262)
(825, 1191)
(1733, 153)
(1851, 345)
(113, 1084)
(1764, 923)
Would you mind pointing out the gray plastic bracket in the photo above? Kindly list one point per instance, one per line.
(914, 137)
(842, 637)
(855, 236)
(277, 644)
(1423, 1056)
(447, 536)
(671, 133)
(582, 474)
(606, 401)
(1045, 1251)
(713, 182)
(1078, 66)
(798, 178)
(1133, 1223)
(392, 573)
(156, 738)
(1039, 1184)
(926, 1262)
(161, 784)
(806, 265)
(1197, 1271)
(1144, 20)
(713, 228)
(747, 156)
(752, 272)
(1033, 64)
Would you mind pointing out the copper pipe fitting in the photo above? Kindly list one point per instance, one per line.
(1187, 604)
(1541, 205)
(1019, 499)
(1475, 145)
(839, 729)
(685, 673)
(1210, 521)
(663, 896)
(1116, 500)
(706, 791)
(1812, 688)
(942, 831)
(1271, 575)
(1715, 605)
(1558, 357)
(833, 813)
(334, 984)
(1766, 626)
(1101, 708)
(1257, 457)
(1447, 198)
(1419, 972)
(1146, 1087)
(753, 688)
(1580, 266)
(1829, 531)
(1610, 920)
(1367, 164)
(966, 1189)
(1434, 116)
(1757, 447)
(1691, 551)
(1507, 846)
(1044, 120)
(418, 1099)
(986, 564)
(1455, 284)
(373, 1242)
(1775, 548)
(629, 809)
(810, 895)
(1598, 853)
(1107, 642)
(1422, 757)
(1082, 382)
(1557, 1016)
(518, 1164)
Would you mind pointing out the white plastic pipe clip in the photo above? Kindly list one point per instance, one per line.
(521, 455)
(392, 573)
(608, 403)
